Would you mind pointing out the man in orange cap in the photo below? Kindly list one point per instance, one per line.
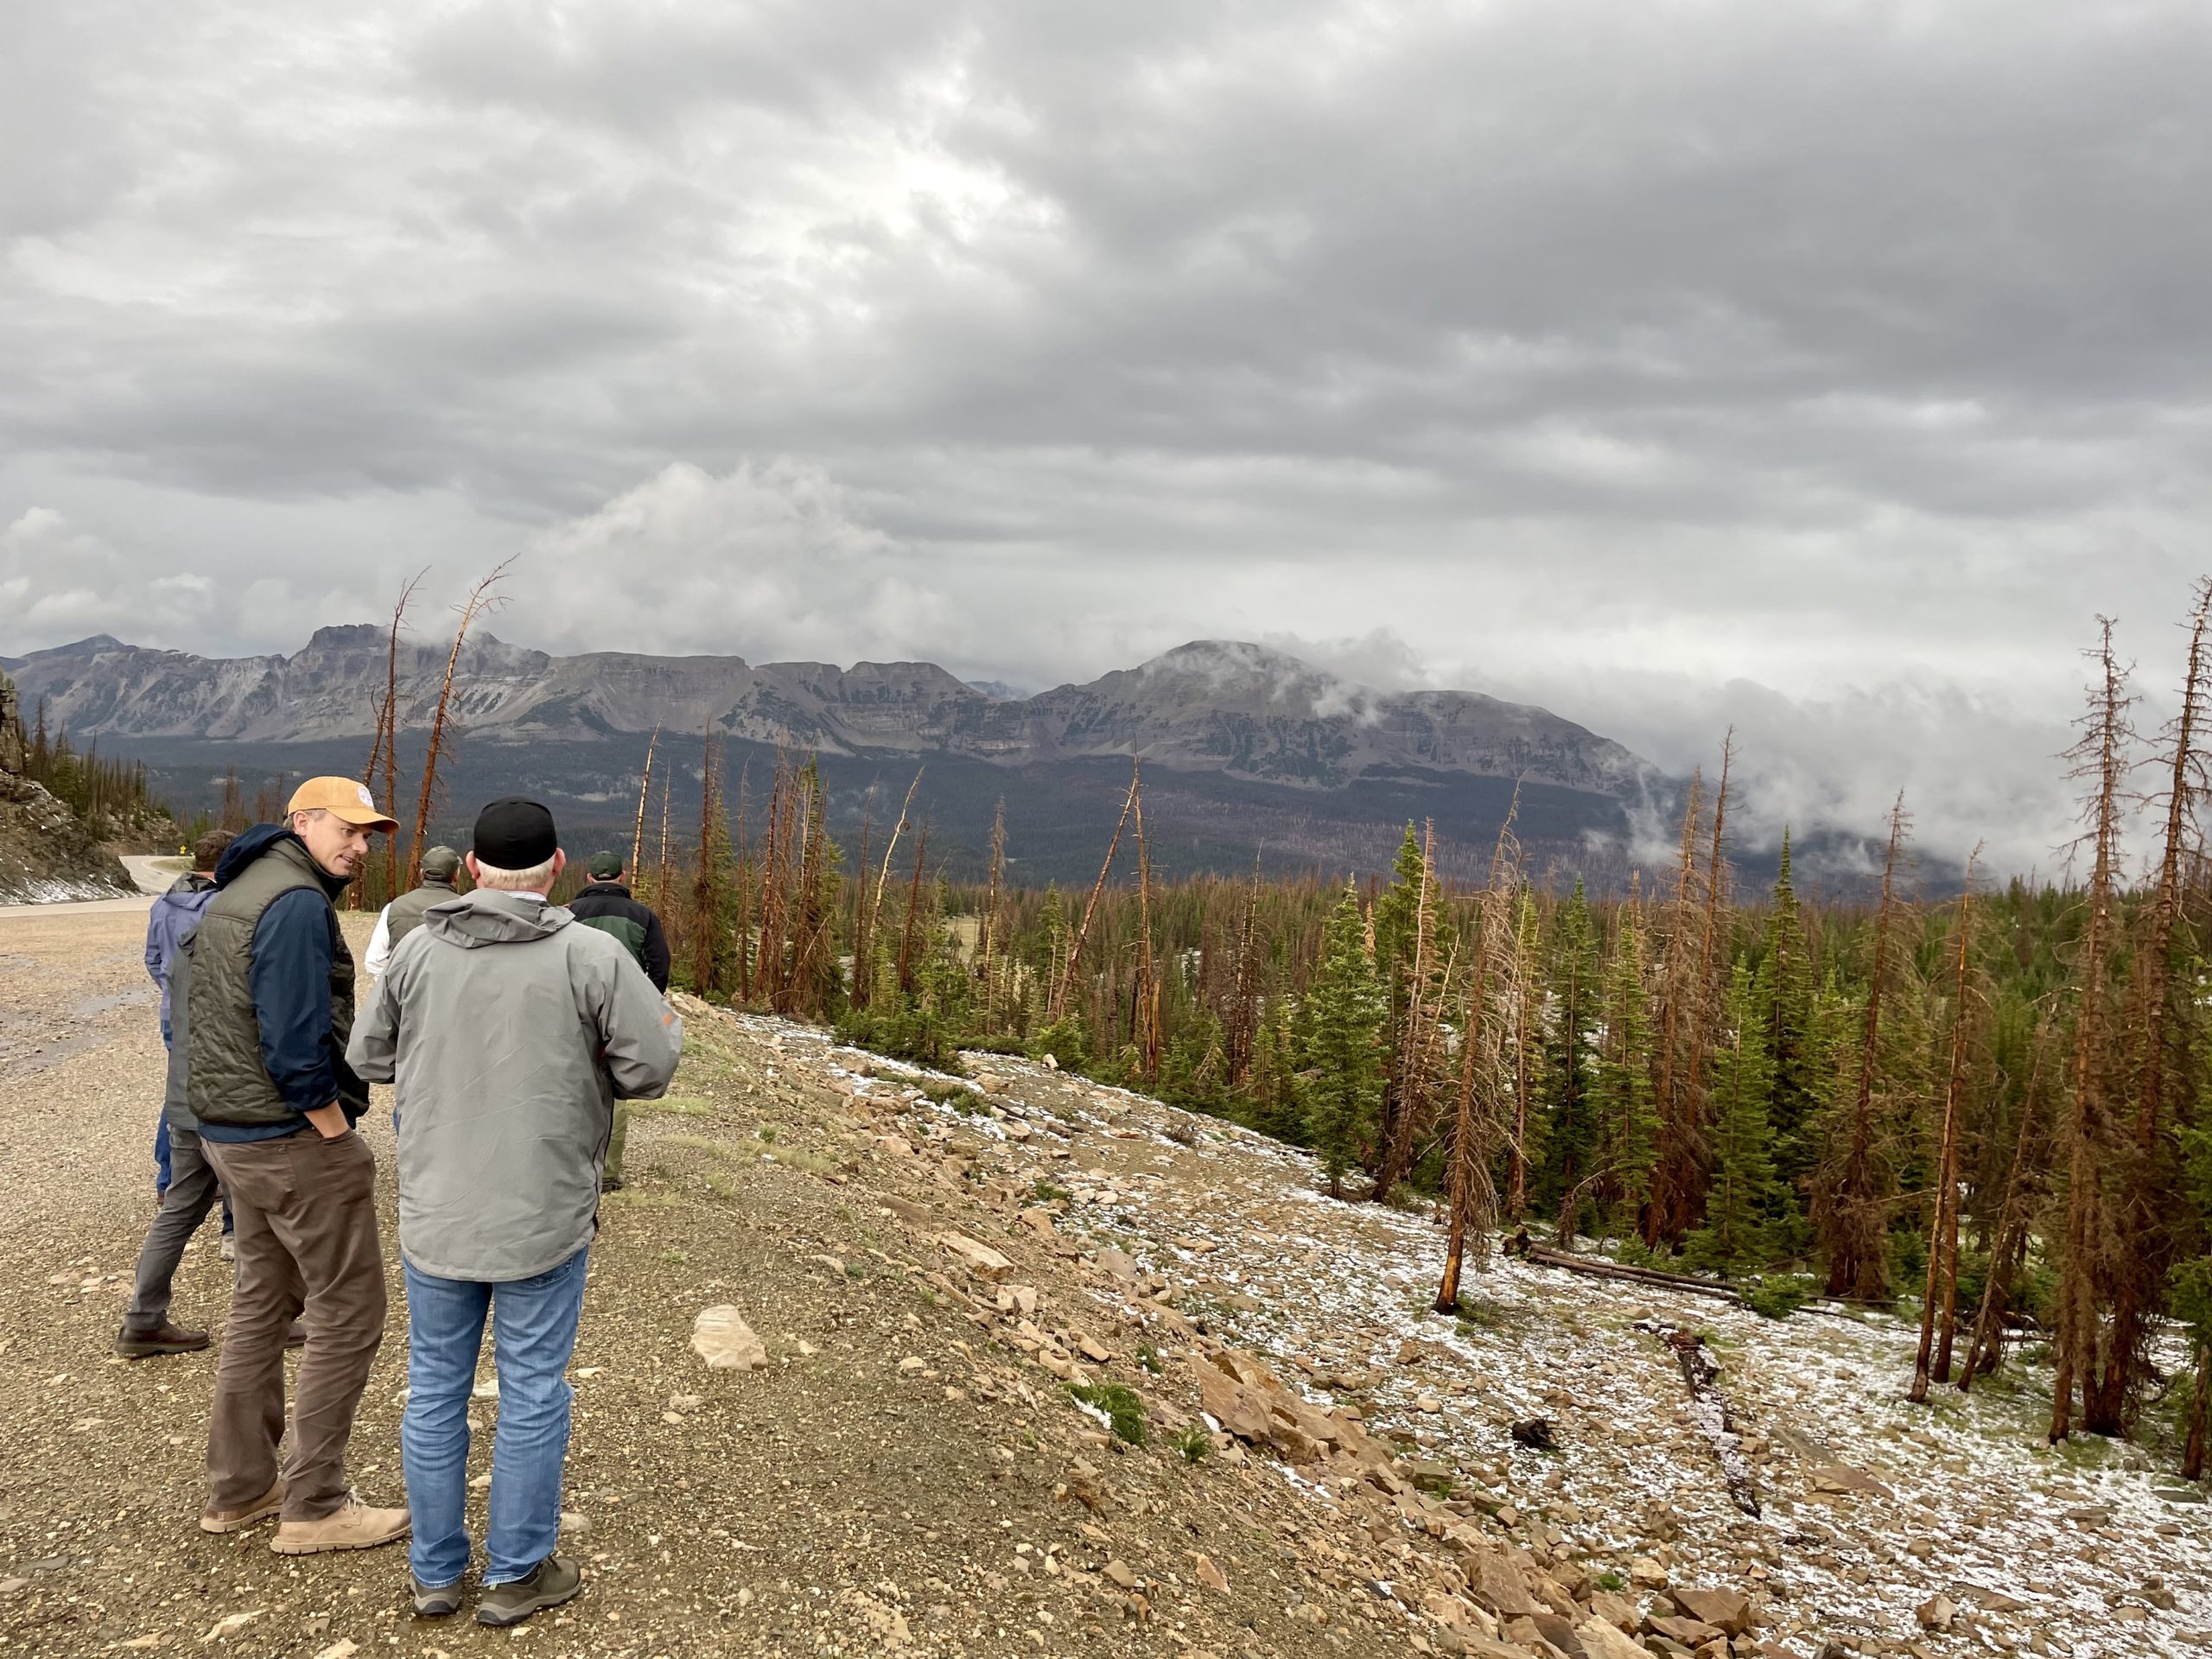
(270, 1004)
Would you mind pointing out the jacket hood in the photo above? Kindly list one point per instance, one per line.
(187, 890)
(488, 916)
(265, 838)
(250, 845)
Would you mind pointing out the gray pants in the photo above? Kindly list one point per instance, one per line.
(192, 1193)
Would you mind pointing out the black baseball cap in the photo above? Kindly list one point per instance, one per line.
(515, 834)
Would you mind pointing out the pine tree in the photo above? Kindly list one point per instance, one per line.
(1795, 1064)
(1742, 1186)
(1341, 1082)
(2192, 1298)
(1627, 1121)
(1567, 1081)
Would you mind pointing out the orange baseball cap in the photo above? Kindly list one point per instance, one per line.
(342, 798)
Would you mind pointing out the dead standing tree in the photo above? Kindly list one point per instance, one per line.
(2167, 1022)
(1941, 1295)
(645, 789)
(482, 597)
(1475, 1118)
(1855, 1222)
(1676, 1148)
(1145, 1023)
(386, 749)
(1066, 977)
(2081, 1347)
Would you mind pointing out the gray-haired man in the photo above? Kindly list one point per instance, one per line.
(509, 1033)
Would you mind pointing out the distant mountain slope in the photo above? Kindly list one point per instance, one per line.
(1212, 706)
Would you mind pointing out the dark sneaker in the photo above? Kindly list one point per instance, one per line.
(441, 1603)
(552, 1581)
(296, 1335)
(610, 1183)
(239, 1520)
(164, 1338)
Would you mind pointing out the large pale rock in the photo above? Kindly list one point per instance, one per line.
(722, 1337)
(1496, 1583)
(1938, 1613)
(1240, 1409)
(1601, 1640)
(977, 1257)
(1726, 1610)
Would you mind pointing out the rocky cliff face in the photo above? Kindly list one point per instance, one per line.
(1209, 706)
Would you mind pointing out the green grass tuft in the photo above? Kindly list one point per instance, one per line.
(1123, 1407)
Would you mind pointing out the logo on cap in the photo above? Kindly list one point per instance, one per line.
(367, 799)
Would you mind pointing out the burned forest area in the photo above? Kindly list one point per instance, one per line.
(1456, 1257)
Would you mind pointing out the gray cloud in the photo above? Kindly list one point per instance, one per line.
(1822, 368)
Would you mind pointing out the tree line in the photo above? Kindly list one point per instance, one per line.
(1985, 1102)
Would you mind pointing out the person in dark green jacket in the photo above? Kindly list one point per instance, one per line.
(606, 904)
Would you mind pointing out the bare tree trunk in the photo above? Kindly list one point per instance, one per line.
(2146, 1253)
(385, 750)
(1659, 1210)
(1943, 1233)
(1856, 1263)
(1090, 908)
(1473, 1195)
(2200, 1406)
(645, 789)
(2102, 756)
(482, 597)
(1146, 1022)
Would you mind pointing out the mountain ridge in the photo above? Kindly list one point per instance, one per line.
(1244, 710)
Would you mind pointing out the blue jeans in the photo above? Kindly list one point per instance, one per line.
(533, 1334)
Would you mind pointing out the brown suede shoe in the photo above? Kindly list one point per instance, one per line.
(164, 1338)
(355, 1526)
(238, 1520)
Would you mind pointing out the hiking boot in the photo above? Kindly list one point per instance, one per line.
(164, 1338)
(239, 1520)
(228, 1249)
(440, 1603)
(296, 1334)
(552, 1581)
(353, 1526)
(610, 1183)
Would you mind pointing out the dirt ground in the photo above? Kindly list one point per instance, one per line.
(931, 1263)
(845, 1500)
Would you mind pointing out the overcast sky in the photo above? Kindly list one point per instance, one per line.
(1823, 368)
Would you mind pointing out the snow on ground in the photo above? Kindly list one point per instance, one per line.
(1872, 1505)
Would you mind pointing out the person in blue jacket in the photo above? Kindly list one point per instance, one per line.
(174, 915)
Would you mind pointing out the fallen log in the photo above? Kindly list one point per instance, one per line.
(1598, 1267)
(1660, 1279)
(1709, 1409)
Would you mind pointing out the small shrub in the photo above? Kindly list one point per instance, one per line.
(1148, 1356)
(1194, 1442)
(1124, 1408)
(1777, 1295)
(1045, 1193)
(1611, 1581)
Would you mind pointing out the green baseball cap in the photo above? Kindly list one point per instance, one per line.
(442, 862)
(605, 867)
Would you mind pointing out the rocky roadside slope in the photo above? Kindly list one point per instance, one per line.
(46, 854)
(1279, 1451)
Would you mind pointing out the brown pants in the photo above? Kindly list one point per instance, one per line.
(307, 1238)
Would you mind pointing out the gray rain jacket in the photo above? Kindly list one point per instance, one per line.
(510, 1032)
